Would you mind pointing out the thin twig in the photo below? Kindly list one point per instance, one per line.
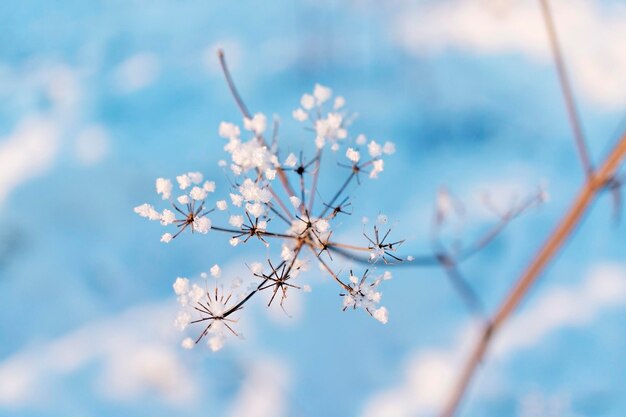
(246, 113)
(566, 88)
(316, 173)
(231, 85)
(467, 293)
(337, 194)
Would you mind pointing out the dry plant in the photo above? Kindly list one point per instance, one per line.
(266, 206)
(263, 193)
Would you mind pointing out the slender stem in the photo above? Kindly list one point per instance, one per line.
(566, 88)
(278, 213)
(237, 306)
(347, 246)
(435, 259)
(316, 174)
(338, 193)
(302, 196)
(462, 287)
(295, 255)
(568, 224)
(231, 85)
(495, 231)
(330, 271)
(279, 235)
(264, 233)
(419, 261)
(225, 229)
(280, 203)
(244, 110)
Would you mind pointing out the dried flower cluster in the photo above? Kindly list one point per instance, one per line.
(272, 198)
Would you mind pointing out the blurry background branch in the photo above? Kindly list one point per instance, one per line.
(606, 177)
(450, 256)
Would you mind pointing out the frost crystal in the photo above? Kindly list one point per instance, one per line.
(164, 187)
(365, 295)
(213, 309)
(190, 208)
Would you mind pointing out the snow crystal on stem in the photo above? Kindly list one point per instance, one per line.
(365, 295)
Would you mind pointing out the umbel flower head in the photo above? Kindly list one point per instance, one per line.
(274, 196)
(365, 295)
(213, 309)
(189, 208)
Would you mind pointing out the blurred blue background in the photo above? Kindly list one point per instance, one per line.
(99, 98)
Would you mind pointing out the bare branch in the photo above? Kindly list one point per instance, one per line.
(566, 89)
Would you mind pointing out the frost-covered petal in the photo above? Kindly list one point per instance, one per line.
(286, 253)
(381, 315)
(216, 343)
(339, 102)
(322, 225)
(307, 101)
(195, 177)
(221, 205)
(164, 188)
(167, 217)
(291, 161)
(237, 170)
(182, 320)
(196, 293)
(229, 130)
(209, 186)
(181, 286)
(321, 93)
(197, 193)
(183, 181)
(300, 115)
(270, 174)
(295, 201)
(389, 148)
(377, 167)
(256, 268)
(236, 199)
(353, 155)
(257, 124)
(202, 224)
(187, 343)
(255, 209)
(147, 211)
(374, 149)
(235, 221)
